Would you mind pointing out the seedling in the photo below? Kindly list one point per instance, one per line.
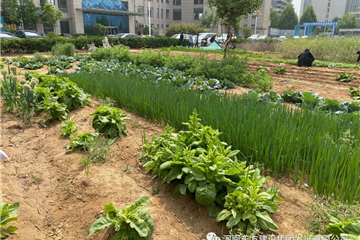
(127, 169)
(155, 190)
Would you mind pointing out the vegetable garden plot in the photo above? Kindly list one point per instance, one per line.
(312, 146)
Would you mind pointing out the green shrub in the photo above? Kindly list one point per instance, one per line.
(67, 49)
(38, 57)
(99, 29)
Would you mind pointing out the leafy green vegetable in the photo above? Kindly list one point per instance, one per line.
(6, 212)
(209, 171)
(109, 120)
(355, 93)
(68, 128)
(131, 222)
(81, 142)
(345, 77)
(280, 70)
(342, 228)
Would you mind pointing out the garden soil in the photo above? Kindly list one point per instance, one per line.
(58, 201)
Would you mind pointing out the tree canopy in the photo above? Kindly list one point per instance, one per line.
(309, 15)
(209, 20)
(51, 15)
(274, 18)
(9, 10)
(348, 21)
(27, 13)
(232, 11)
(288, 19)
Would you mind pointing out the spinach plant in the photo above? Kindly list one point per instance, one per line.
(110, 121)
(6, 212)
(131, 222)
(68, 128)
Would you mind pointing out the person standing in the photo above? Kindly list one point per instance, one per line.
(305, 59)
(181, 39)
(191, 40)
(196, 42)
(357, 61)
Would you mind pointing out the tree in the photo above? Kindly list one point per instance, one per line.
(27, 13)
(247, 31)
(103, 21)
(9, 10)
(336, 19)
(232, 11)
(308, 15)
(146, 30)
(274, 18)
(99, 29)
(288, 19)
(209, 20)
(51, 15)
(348, 21)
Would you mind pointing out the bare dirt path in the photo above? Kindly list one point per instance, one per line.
(58, 201)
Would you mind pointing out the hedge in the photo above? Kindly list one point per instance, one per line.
(28, 45)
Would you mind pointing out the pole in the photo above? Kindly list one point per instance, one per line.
(149, 18)
(255, 24)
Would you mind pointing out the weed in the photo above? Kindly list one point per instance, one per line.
(133, 125)
(293, 85)
(127, 169)
(67, 190)
(155, 190)
(85, 162)
(106, 101)
(67, 49)
(99, 149)
(280, 70)
(36, 180)
(38, 57)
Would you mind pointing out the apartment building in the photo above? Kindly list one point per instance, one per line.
(326, 10)
(353, 6)
(261, 19)
(279, 5)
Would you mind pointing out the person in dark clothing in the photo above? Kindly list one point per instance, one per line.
(212, 39)
(181, 39)
(357, 61)
(305, 59)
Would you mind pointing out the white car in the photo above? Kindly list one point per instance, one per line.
(223, 38)
(282, 38)
(204, 38)
(253, 37)
(177, 36)
(263, 37)
(126, 35)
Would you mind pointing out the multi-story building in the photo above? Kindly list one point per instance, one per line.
(353, 6)
(80, 16)
(279, 5)
(261, 19)
(326, 10)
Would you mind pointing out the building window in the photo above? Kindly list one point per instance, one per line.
(158, 26)
(176, 14)
(161, 1)
(176, 2)
(167, 25)
(157, 13)
(167, 14)
(197, 13)
(151, 12)
(162, 13)
(62, 5)
(167, 1)
(198, 1)
(140, 9)
(162, 25)
(105, 4)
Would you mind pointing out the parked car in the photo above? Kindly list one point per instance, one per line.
(296, 37)
(263, 37)
(282, 38)
(126, 35)
(28, 34)
(67, 35)
(7, 35)
(177, 36)
(204, 38)
(253, 37)
(223, 38)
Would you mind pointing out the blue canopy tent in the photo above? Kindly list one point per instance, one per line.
(308, 27)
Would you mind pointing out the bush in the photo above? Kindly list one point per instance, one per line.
(99, 29)
(146, 31)
(67, 49)
(183, 27)
(38, 57)
(28, 45)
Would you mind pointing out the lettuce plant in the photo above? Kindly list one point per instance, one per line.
(110, 121)
(81, 142)
(345, 77)
(131, 222)
(68, 128)
(6, 212)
